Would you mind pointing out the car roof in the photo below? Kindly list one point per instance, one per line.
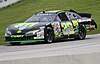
(51, 12)
(56, 11)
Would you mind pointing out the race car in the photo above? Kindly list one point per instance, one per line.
(49, 26)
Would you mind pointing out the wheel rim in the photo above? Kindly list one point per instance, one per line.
(49, 36)
(82, 34)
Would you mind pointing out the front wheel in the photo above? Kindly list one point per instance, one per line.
(82, 34)
(48, 35)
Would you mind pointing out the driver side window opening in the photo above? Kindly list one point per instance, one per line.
(63, 16)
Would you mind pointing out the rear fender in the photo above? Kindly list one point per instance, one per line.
(90, 25)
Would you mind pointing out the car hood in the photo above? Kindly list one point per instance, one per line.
(25, 27)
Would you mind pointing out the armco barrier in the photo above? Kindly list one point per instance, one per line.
(8, 3)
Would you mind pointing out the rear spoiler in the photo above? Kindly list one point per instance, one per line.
(88, 15)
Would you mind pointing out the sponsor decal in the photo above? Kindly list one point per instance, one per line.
(17, 36)
(87, 27)
(75, 23)
(25, 25)
(19, 31)
(84, 20)
(57, 29)
(67, 28)
(40, 34)
(38, 38)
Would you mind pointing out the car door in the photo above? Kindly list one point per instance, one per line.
(66, 25)
(74, 18)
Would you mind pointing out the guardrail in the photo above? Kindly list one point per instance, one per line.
(5, 3)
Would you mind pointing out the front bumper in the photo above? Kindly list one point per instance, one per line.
(16, 38)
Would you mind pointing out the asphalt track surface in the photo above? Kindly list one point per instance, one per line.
(70, 43)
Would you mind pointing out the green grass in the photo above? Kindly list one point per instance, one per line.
(23, 10)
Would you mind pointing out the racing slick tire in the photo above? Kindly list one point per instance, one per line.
(48, 35)
(82, 33)
(15, 43)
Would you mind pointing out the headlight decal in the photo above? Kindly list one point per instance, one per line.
(32, 32)
(7, 33)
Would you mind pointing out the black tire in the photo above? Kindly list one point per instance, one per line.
(82, 33)
(15, 43)
(48, 35)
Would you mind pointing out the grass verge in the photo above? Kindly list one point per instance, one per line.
(23, 10)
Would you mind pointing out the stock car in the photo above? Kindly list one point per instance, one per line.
(49, 26)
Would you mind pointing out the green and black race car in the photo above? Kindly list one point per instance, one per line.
(49, 26)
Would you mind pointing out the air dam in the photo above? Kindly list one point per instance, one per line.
(74, 54)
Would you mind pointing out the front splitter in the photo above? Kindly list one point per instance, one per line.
(26, 41)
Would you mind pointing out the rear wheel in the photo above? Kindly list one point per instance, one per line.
(48, 35)
(82, 33)
(15, 43)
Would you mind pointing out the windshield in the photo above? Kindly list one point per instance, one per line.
(41, 18)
